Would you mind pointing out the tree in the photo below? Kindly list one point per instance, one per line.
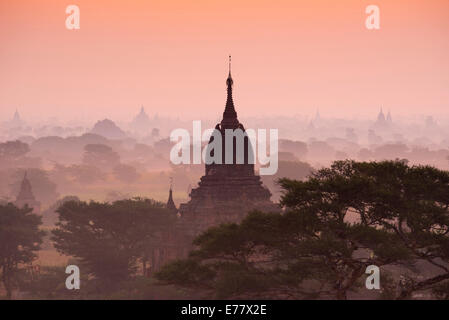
(85, 174)
(20, 238)
(110, 238)
(14, 154)
(100, 155)
(11, 150)
(337, 222)
(408, 203)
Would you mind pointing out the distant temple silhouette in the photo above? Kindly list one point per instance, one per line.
(226, 193)
(170, 203)
(16, 120)
(26, 196)
(383, 121)
(141, 122)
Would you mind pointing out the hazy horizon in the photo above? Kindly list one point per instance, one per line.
(289, 57)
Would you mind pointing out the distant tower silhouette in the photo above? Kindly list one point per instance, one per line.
(141, 121)
(170, 203)
(16, 116)
(16, 120)
(381, 116)
(227, 191)
(26, 196)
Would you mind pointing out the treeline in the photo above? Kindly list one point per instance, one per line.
(111, 243)
(335, 223)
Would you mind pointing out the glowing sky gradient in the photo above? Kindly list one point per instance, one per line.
(289, 57)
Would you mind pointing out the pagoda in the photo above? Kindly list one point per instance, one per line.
(26, 196)
(226, 192)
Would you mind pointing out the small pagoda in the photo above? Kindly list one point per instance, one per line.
(26, 196)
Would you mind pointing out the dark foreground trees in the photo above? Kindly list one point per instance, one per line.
(338, 222)
(20, 238)
(111, 238)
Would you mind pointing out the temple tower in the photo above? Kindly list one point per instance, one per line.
(170, 203)
(26, 196)
(227, 191)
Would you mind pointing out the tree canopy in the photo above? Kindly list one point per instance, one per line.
(20, 238)
(336, 223)
(110, 238)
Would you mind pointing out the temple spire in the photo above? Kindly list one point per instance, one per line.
(25, 192)
(170, 203)
(229, 115)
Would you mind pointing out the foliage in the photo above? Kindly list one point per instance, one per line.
(11, 150)
(100, 155)
(337, 222)
(20, 238)
(110, 238)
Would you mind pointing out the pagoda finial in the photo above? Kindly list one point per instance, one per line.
(229, 115)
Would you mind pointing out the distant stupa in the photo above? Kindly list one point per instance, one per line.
(141, 122)
(26, 196)
(16, 119)
(383, 122)
(380, 116)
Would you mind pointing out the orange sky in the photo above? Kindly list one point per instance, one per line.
(171, 56)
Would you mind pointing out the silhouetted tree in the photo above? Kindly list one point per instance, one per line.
(100, 155)
(339, 221)
(110, 238)
(20, 238)
(12, 150)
